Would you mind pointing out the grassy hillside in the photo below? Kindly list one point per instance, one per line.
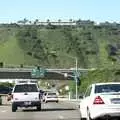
(95, 46)
(11, 53)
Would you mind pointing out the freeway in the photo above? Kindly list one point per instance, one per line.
(50, 111)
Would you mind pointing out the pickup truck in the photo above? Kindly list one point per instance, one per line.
(25, 95)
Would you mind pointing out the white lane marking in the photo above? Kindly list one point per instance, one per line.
(4, 111)
(61, 117)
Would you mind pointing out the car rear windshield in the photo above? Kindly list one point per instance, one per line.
(107, 88)
(51, 93)
(26, 88)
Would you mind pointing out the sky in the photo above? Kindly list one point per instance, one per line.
(95, 10)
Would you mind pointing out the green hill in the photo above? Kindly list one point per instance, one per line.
(11, 53)
(95, 46)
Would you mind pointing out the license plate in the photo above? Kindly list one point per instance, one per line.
(115, 100)
(27, 103)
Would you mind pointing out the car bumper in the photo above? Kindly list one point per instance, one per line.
(104, 112)
(51, 100)
(27, 103)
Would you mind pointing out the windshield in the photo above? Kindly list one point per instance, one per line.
(51, 93)
(107, 88)
(26, 88)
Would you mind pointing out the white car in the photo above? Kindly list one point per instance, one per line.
(25, 95)
(50, 97)
(101, 100)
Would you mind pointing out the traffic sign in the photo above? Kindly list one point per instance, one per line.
(38, 72)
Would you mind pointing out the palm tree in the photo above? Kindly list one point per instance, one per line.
(48, 21)
(25, 21)
(36, 22)
(70, 21)
(59, 21)
(30, 22)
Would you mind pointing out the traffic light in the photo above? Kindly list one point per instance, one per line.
(78, 81)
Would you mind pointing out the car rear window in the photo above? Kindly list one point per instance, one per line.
(51, 93)
(26, 88)
(107, 88)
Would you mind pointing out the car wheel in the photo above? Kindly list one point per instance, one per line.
(14, 108)
(39, 108)
(88, 115)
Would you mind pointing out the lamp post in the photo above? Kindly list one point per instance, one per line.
(76, 69)
(76, 62)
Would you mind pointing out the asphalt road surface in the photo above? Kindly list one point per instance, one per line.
(50, 111)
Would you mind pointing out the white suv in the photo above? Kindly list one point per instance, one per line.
(50, 97)
(25, 95)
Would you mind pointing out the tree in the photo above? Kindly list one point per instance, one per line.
(36, 22)
(48, 21)
(59, 21)
(30, 22)
(25, 21)
(70, 20)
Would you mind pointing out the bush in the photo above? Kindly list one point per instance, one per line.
(1, 64)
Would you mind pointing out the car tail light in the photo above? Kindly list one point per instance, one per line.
(98, 100)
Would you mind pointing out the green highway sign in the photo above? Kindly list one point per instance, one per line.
(38, 72)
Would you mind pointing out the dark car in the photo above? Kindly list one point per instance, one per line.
(5, 90)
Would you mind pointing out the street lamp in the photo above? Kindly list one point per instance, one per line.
(76, 69)
(76, 78)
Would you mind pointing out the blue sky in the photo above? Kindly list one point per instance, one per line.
(96, 10)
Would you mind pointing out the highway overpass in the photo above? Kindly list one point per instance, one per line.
(25, 73)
